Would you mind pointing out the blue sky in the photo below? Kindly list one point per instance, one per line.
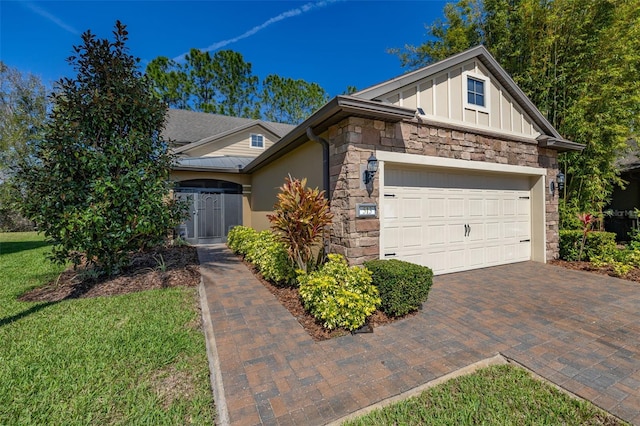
(334, 43)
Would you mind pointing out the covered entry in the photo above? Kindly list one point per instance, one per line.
(214, 207)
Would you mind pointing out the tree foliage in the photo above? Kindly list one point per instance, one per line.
(97, 184)
(577, 60)
(291, 101)
(23, 109)
(224, 83)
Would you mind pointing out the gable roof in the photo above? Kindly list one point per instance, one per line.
(550, 138)
(185, 127)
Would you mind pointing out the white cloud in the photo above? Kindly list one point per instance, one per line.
(51, 18)
(284, 15)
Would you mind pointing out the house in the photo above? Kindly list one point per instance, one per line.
(466, 169)
(621, 216)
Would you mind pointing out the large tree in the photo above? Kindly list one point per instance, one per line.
(224, 83)
(286, 100)
(23, 109)
(97, 184)
(578, 61)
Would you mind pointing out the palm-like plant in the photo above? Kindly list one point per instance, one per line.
(300, 217)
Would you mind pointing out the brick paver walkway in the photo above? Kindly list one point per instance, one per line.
(579, 330)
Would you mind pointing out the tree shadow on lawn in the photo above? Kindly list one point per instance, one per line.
(25, 313)
(18, 246)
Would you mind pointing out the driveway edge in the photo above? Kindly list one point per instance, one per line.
(215, 372)
(497, 359)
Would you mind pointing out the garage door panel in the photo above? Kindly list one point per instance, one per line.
(435, 235)
(411, 236)
(424, 221)
(411, 207)
(435, 207)
(456, 206)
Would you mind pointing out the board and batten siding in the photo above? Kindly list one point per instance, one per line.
(442, 96)
(236, 144)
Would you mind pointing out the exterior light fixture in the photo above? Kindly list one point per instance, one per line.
(372, 168)
(560, 181)
(559, 184)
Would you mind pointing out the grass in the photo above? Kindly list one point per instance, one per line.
(138, 358)
(497, 395)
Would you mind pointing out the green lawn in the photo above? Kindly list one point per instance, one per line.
(498, 395)
(132, 359)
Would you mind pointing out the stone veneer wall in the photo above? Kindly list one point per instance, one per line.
(354, 139)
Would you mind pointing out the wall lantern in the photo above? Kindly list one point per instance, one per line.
(559, 183)
(560, 180)
(372, 168)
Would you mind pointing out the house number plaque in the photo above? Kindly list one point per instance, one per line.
(365, 210)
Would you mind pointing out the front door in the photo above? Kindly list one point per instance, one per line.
(211, 215)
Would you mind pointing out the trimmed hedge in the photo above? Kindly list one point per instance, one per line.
(265, 251)
(240, 238)
(597, 245)
(403, 286)
(339, 295)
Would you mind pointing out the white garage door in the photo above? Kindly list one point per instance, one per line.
(452, 221)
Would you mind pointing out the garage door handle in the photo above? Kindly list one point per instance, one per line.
(525, 241)
(467, 230)
(389, 254)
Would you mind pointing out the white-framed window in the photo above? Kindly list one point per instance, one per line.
(257, 141)
(476, 93)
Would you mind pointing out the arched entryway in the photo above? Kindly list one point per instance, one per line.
(215, 206)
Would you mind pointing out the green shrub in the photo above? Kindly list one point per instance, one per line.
(269, 255)
(338, 295)
(403, 286)
(240, 238)
(598, 244)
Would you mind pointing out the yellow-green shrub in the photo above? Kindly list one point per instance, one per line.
(240, 238)
(269, 255)
(338, 295)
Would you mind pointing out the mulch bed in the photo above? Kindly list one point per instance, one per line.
(290, 299)
(633, 275)
(143, 273)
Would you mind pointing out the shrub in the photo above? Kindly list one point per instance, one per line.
(240, 238)
(299, 219)
(403, 286)
(597, 244)
(338, 295)
(269, 255)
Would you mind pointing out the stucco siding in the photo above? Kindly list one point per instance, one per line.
(443, 98)
(303, 162)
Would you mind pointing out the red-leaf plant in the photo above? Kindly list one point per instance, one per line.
(300, 217)
(586, 220)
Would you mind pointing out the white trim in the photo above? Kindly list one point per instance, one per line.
(449, 99)
(465, 90)
(452, 163)
(251, 140)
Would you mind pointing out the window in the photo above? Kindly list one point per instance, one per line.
(475, 92)
(257, 141)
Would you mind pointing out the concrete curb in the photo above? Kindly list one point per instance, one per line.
(214, 361)
(494, 360)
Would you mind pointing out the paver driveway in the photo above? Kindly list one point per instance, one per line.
(579, 330)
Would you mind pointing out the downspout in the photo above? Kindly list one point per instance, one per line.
(325, 159)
